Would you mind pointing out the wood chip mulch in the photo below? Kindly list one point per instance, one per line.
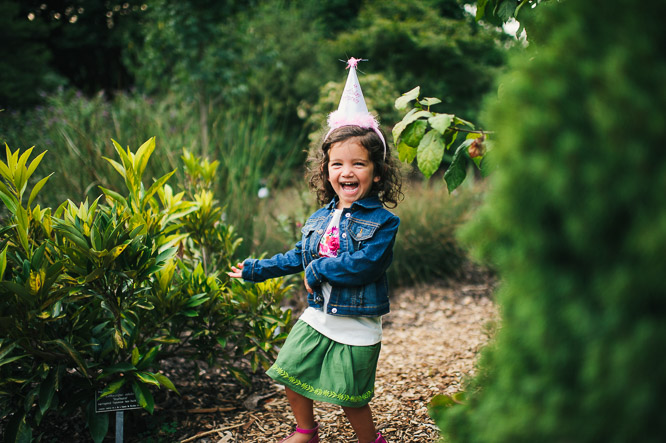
(431, 340)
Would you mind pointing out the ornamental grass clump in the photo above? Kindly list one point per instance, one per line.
(575, 225)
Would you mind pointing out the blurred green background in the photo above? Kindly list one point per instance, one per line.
(247, 83)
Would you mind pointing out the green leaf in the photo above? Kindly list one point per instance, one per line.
(72, 353)
(240, 376)
(98, 424)
(402, 102)
(143, 396)
(155, 186)
(114, 195)
(413, 134)
(148, 378)
(148, 357)
(10, 201)
(164, 381)
(197, 300)
(457, 171)
(411, 116)
(430, 153)
(136, 356)
(119, 367)
(505, 10)
(143, 154)
(23, 224)
(429, 101)
(35, 163)
(460, 121)
(112, 388)
(17, 429)
(38, 187)
(3, 261)
(46, 390)
(480, 9)
(441, 122)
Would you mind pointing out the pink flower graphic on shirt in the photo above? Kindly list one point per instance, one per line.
(330, 243)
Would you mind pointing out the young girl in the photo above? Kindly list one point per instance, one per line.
(346, 247)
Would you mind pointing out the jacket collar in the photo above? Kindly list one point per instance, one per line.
(368, 203)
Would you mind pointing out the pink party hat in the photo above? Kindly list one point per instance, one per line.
(352, 110)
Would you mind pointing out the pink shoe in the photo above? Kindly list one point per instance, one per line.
(380, 438)
(315, 431)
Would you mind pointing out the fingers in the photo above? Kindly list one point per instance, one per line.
(236, 271)
(307, 286)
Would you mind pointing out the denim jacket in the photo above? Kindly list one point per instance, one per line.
(357, 275)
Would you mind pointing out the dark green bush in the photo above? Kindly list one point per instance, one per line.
(575, 224)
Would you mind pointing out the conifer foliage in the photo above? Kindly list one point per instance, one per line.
(576, 225)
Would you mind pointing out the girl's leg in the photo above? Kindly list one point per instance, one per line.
(303, 409)
(361, 421)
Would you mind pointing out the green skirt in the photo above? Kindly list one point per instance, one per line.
(321, 369)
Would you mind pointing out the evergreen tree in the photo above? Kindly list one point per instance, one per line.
(576, 225)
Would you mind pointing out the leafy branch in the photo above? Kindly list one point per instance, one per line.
(426, 136)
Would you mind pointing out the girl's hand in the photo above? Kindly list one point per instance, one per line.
(307, 286)
(236, 271)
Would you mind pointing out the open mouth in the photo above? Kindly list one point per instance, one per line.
(349, 187)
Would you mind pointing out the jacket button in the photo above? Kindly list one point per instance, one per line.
(344, 235)
(334, 310)
(348, 215)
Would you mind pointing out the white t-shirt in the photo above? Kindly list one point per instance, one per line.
(356, 331)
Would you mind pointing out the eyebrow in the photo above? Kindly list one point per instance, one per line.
(353, 159)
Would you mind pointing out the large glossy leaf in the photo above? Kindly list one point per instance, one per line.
(164, 381)
(98, 424)
(143, 396)
(112, 388)
(47, 389)
(430, 153)
(411, 116)
(143, 155)
(414, 132)
(457, 171)
(402, 102)
(441, 122)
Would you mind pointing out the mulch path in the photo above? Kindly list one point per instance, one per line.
(431, 340)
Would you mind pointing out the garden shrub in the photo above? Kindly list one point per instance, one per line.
(427, 248)
(94, 296)
(574, 223)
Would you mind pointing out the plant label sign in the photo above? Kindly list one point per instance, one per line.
(120, 401)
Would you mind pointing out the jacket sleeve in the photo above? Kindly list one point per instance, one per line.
(360, 267)
(279, 265)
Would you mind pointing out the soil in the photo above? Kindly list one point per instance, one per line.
(431, 341)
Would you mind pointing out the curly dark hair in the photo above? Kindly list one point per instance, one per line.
(388, 188)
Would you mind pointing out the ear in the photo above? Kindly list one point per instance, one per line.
(377, 178)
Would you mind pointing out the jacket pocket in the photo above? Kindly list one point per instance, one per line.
(361, 230)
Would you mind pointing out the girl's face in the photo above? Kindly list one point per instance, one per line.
(350, 171)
